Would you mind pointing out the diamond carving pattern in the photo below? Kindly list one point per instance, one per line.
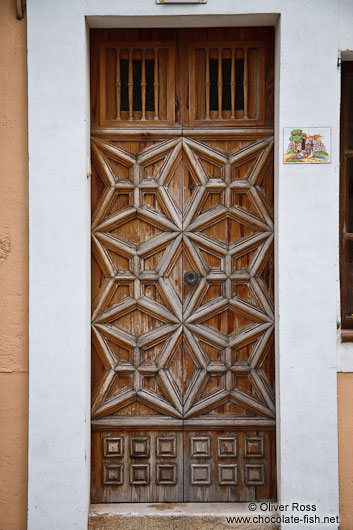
(182, 351)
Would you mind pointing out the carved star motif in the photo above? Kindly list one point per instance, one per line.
(177, 221)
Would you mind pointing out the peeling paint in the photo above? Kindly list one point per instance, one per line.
(5, 249)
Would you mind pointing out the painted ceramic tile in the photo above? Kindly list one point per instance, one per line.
(307, 145)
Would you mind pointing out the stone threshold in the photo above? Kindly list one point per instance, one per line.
(177, 516)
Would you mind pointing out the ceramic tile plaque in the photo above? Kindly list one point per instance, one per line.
(306, 145)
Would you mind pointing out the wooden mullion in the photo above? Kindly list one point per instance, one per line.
(131, 84)
(246, 83)
(347, 320)
(118, 85)
(207, 83)
(220, 83)
(341, 213)
(143, 84)
(233, 84)
(156, 84)
(345, 236)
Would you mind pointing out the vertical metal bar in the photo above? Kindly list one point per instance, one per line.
(232, 85)
(143, 84)
(245, 83)
(118, 84)
(131, 85)
(207, 84)
(220, 84)
(156, 84)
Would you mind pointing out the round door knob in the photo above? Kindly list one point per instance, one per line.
(191, 277)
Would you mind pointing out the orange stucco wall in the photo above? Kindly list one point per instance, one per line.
(345, 448)
(13, 270)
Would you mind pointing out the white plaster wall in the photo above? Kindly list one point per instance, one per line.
(306, 258)
(345, 29)
(307, 242)
(59, 267)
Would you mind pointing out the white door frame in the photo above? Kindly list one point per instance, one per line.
(59, 210)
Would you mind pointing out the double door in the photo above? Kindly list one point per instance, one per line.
(182, 265)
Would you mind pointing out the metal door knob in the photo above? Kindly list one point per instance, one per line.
(191, 277)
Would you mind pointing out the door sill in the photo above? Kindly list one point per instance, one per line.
(188, 516)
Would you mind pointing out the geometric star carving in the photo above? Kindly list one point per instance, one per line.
(183, 351)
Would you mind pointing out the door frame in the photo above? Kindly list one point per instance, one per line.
(59, 230)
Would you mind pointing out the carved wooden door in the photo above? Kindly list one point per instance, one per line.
(182, 266)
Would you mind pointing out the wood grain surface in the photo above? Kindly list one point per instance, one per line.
(183, 373)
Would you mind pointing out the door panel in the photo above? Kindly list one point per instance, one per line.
(224, 82)
(228, 466)
(137, 466)
(138, 83)
(182, 268)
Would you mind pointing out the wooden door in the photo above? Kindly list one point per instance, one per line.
(182, 265)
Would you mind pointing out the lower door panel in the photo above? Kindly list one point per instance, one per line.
(177, 466)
